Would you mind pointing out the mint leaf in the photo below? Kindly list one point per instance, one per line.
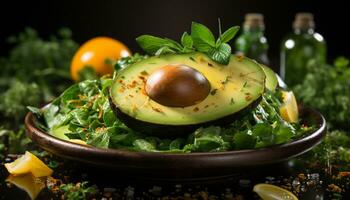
(173, 44)
(203, 38)
(152, 44)
(221, 54)
(227, 35)
(186, 40)
(164, 50)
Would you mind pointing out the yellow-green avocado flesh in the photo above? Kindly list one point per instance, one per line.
(233, 87)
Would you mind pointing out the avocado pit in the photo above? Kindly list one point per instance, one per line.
(177, 86)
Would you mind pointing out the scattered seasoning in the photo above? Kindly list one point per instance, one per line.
(240, 58)
(157, 109)
(191, 58)
(100, 129)
(196, 109)
(213, 92)
(334, 188)
(134, 109)
(100, 113)
(132, 85)
(82, 97)
(227, 79)
(143, 91)
(122, 77)
(144, 73)
(232, 101)
(344, 174)
(209, 64)
(201, 59)
(251, 78)
(206, 106)
(245, 84)
(120, 81)
(301, 177)
(143, 79)
(121, 90)
(248, 98)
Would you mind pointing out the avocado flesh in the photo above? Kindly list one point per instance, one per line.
(271, 82)
(233, 87)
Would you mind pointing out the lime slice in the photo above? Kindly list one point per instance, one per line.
(272, 192)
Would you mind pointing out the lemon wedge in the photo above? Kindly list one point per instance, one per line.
(60, 133)
(27, 182)
(289, 108)
(272, 192)
(28, 163)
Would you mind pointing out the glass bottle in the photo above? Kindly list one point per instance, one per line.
(252, 42)
(299, 47)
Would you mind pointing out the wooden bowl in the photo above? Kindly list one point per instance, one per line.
(180, 166)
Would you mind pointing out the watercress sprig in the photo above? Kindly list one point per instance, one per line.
(201, 40)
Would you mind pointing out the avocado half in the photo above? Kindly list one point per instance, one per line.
(234, 88)
(271, 82)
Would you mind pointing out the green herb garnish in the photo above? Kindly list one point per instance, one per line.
(201, 40)
(78, 191)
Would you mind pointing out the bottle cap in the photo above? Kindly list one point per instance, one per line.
(304, 21)
(254, 20)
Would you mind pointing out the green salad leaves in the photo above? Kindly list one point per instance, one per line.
(201, 40)
(83, 112)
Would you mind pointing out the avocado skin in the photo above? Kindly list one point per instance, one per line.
(173, 131)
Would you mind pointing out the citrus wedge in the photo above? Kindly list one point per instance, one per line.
(289, 108)
(272, 192)
(27, 182)
(28, 163)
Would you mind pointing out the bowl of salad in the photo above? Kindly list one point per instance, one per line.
(184, 110)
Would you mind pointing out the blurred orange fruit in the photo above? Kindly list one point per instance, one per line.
(95, 53)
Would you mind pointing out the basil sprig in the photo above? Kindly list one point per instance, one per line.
(201, 40)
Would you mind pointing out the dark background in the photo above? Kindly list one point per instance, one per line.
(125, 20)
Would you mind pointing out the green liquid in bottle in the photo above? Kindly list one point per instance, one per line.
(299, 47)
(252, 42)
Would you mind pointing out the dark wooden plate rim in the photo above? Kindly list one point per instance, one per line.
(36, 134)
